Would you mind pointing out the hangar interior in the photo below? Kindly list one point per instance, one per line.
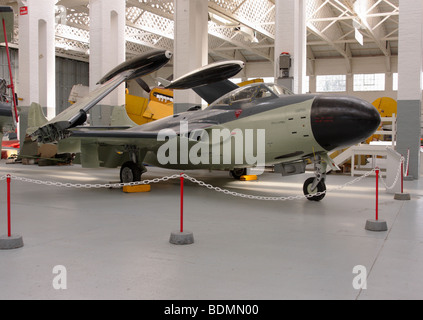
(115, 245)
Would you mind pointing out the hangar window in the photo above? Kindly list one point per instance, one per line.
(369, 82)
(331, 83)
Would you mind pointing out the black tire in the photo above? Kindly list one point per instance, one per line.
(321, 187)
(130, 172)
(238, 173)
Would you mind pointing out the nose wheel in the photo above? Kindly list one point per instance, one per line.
(315, 188)
(314, 193)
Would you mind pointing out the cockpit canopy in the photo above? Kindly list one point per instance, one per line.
(252, 92)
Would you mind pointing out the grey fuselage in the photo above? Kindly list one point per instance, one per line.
(296, 126)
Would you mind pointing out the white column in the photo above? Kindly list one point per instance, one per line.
(37, 56)
(107, 50)
(190, 46)
(290, 36)
(410, 65)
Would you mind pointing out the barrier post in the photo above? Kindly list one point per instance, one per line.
(182, 203)
(402, 176)
(181, 236)
(9, 223)
(376, 224)
(402, 195)
(10, 241)
(377, 194)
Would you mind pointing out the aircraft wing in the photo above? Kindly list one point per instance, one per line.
(210, 82)
(134, 136)
(57, 128)
(211, 73)
(114, 137)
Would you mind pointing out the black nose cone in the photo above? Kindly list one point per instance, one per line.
(339, 122)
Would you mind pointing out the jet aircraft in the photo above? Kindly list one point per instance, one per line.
(298, 127)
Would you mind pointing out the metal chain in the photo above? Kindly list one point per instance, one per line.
(242, 195)
(408, 163)
(90, 186)
(193, 180)
(353, 181)
(396, 177)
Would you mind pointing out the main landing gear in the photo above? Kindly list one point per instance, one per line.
(131, 171)
(238, 173)
(315, 188)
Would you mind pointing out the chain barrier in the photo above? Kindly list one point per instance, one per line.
(405, 171)
(396, 177)
(198, 182)
(89, 186)
(299, 197)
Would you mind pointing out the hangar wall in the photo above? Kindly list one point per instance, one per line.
(366, 65)
(4, 67)
(68, 73)
(336, 66)
(71, 72)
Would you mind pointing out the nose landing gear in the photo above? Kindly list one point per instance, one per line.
(315, 188)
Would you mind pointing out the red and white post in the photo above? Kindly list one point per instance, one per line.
(181, 236)
(182, 203)
(376, 224)
(402, 195)
(10, 241)
(9, 223)
(377, 194)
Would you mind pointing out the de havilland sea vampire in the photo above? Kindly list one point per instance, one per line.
(288, 130)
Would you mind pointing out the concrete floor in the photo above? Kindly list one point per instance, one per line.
(116, 245)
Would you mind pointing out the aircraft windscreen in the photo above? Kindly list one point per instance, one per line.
(252, 92)
(279, 90)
